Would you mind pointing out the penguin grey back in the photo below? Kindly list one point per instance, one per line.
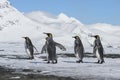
(78, 48)
(98, 47)
(28, 43)
(50, 48)
(29, 46)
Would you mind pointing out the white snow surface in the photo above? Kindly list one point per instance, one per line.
(66, 67)
(13, 56)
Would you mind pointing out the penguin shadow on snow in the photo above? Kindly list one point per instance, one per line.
(16, 57)
(77, 62)
(70, 61)
(84, 62)
(21, 57)
(37, 62)
(92, 62)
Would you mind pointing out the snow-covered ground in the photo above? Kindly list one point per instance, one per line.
(13, 56)
(66, 67)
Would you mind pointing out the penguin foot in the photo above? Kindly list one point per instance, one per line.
(98, 61)
(48, 62)
(101, 62)
(55, 61)
(80, 61)
(31, 58)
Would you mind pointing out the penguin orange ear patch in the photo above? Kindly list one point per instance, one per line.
(98, 36)
(50, 35)
(77, 37)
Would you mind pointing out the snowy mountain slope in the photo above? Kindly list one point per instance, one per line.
(61, 21)
(69, 27)
(14, 25)
(109, 33)
(107, 28)
(75, 27)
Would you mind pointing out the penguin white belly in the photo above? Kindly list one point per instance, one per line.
(77, 56)
(28, 52)
(47, 55)
(97, 54)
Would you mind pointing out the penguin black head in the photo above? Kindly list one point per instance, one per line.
(25, 37)
(48, 34)
(76, 37)
(96, 36)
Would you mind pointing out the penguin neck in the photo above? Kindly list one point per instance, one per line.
(49, 38)
(78, 39)
(28, 41)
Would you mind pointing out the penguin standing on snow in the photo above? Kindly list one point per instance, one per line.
(78, 49)
(98, 49)
(29, 47)
(50, 48)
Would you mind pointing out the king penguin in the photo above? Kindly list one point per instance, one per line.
(98, 49)
(78, 49)
(50, 48)
(29, 47)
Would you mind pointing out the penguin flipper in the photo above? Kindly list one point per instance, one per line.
(60, 46)
(35, 48)
(44, 49)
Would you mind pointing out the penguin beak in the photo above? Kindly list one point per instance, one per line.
(45, 33)
(23, 37)
(48, 34)
(92, 36)
(73, 37)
